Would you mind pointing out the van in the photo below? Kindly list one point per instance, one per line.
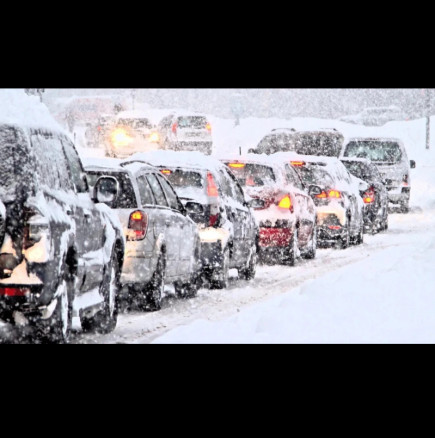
(391, 159)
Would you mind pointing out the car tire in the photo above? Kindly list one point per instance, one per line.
(248, 273)
(290, 253)
(344, 241)
(57, 328)
(106, 319)
(312, 247)
(359, 240)
(219, 277)
(155, 288)
(404, 207)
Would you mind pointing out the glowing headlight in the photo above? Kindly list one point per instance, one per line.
(210, 235)
(120, 138)
(154, 137)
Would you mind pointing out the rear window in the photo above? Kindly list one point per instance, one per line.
(126, 197)
(253, 175)
(315, 175)
(184, 178)
(377, 151)
(319, 144)
(193, 122)
(276, 143)
(135, 123)
(362, 170)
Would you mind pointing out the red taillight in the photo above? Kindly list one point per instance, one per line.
(138, 225)
(369, 196)
(14, 291)
(208, 127)
(174, 127)
(297, 163)
(212, 189)
(406, 180)
(214, 219)
(285, 203)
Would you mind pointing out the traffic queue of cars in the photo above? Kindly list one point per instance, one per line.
(80, 238)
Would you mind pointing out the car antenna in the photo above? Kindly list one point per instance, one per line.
(240, 150)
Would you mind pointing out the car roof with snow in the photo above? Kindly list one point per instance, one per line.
(184, 160)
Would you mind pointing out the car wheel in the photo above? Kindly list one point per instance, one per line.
(311, 253)
(360, 237)
(57, 328)
(290, 253)
(219, 278)
(248, 273)
(106, 319)
(404, 207)
(344, 240)
(154, 290)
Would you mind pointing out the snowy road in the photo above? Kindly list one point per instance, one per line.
(213, 305)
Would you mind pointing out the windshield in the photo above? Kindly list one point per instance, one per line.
(252, 175)
(377, 151)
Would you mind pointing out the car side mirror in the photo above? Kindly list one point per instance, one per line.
(412, 164)
(256, 203)
(106, 190)
(314, 190)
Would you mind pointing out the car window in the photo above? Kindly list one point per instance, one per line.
(225, 184)
(145, 191)
(293, 178)
(169, 192)
(377, 151)
(75, 167)
(157, 190)
(51, 161)
(192, 122)
(184, 178)
(239, 195)
(252, 175)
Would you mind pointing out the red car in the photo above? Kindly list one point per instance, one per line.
(285, 212)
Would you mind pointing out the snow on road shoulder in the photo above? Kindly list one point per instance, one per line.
(388, 297)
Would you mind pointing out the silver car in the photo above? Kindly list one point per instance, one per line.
(389, 155)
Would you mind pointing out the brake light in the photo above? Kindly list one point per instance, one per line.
(297, 163)
(212, 189)
(331, 194)
(322, 195)
(166, 171)
(237, 165)
(214, 219)
(334, 194)
(285, 203)
(208, 127)
(137, 226)
(369, 196)
(405, 180)
(14, 291)
(174, 127)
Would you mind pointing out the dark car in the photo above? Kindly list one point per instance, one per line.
(278, 140)
(162, 241)
(62, 251)
(284, 210)
(214, 199)
(375, 198)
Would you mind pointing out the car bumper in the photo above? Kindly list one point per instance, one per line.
(399, 195)
(275, 237)
(138, 266)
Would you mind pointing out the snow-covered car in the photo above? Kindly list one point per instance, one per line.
(62, 251)
(214, 200)
(375, 198)
(322, 142)
(163, 244)
(391, 159)
(284, 210)
(186, 132)
(337, 196)
(131, 132)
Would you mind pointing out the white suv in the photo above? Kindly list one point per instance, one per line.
(186, 132)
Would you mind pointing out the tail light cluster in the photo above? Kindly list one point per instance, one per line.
(208, 127)
(137, 225)
(369, 196)
(333, 194)
(405, 180)
(174, 127)
(285, 202)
